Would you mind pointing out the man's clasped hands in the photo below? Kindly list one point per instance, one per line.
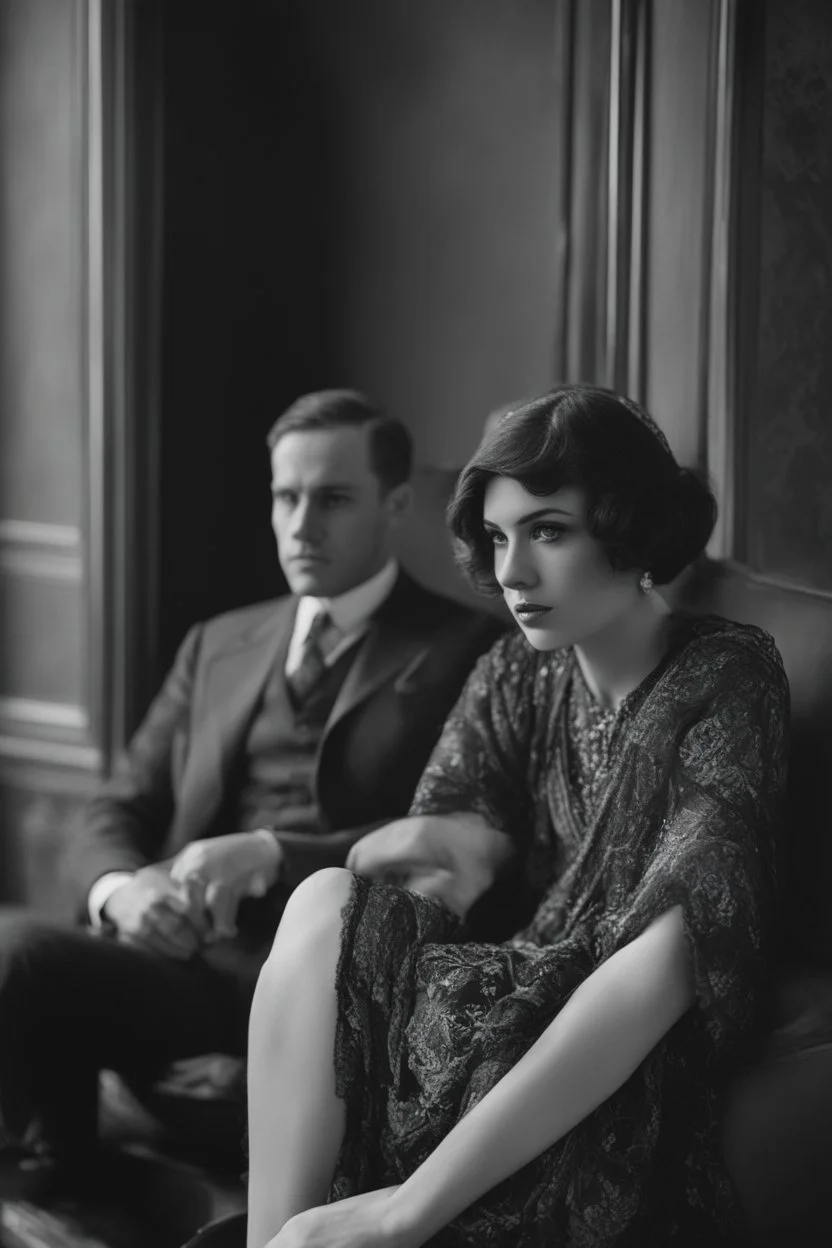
(177, 907)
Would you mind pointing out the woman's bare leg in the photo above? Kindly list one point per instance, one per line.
(295, 1120)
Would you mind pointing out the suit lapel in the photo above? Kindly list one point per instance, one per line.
(233, 683)
(389, 648)
(236, 676)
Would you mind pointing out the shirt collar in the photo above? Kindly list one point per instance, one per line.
(352, 610)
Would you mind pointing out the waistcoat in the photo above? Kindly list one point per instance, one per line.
(276, 786)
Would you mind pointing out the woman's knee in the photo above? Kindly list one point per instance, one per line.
(314, 910)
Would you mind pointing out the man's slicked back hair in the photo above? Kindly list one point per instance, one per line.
(389, 443)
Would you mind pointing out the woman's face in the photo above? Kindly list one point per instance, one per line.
(556, 579)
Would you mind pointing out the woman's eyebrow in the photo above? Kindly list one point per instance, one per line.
(534, 515)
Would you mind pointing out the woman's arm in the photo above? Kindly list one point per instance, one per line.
(455, 857)
(608, 1026)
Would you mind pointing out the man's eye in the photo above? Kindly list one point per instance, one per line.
(285, 497)
(336, 500)
(547, 532)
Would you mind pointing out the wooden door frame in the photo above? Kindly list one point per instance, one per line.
(123, 205)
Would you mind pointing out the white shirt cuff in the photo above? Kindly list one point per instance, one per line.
(101, 892)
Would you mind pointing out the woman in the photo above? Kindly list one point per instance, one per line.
(561, 1087)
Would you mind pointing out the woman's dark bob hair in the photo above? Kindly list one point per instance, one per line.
(647, 512)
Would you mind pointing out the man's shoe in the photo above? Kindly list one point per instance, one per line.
(26, 1174)
(228, 1232)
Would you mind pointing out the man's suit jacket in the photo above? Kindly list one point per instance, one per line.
(176, 780)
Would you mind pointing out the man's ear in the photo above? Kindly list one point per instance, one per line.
(399, 501)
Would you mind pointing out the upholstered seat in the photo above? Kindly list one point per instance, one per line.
(778, 1123)
(778, 1120)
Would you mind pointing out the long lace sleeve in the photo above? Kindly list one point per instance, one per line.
(715, 850)
(480, 763)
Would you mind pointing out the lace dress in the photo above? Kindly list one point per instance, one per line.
(616, 818)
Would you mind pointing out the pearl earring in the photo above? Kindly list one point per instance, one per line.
(646, 583)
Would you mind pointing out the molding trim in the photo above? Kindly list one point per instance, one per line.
(35, 533)
(627, 153)
(564, 39)
(621, 190)
(604, 287)
(718, 421)
(731, 258)
(584, 293)
(52, 734)
(635, 364)
(93, 314)
(121, 313)
(32, 714)
(51, 552)
(53, 754)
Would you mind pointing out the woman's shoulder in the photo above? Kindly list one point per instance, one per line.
(728, 644)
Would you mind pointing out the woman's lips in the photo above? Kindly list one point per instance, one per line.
(531, 612)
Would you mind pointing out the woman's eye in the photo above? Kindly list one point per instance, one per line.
(547, 533)
(497, 539)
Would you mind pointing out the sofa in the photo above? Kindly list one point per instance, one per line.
(778, 1100)
(778, 1116)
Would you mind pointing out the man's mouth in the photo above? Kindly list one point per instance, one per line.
(530, 612)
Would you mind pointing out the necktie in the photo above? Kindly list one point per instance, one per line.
(311, 666)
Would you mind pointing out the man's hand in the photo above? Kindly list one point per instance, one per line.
(218, 872)
(453, 857)
(149, 910)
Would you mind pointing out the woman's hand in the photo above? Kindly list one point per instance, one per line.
(453, 857)
(357, 1222)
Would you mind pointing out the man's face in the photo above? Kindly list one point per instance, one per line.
(330, 516)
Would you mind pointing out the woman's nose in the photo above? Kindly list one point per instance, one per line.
(514, 569)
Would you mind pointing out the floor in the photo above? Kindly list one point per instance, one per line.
(144, 1201)
(73, 1225)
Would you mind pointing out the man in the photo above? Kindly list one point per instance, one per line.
(283, 733)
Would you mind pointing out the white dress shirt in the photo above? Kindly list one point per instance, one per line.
(350, 615)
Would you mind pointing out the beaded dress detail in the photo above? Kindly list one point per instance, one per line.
(591, 731)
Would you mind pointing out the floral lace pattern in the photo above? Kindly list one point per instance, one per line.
(430, 1021)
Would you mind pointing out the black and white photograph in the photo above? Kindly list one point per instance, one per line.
(415, 623)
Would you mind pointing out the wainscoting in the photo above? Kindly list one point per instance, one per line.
(75, 485)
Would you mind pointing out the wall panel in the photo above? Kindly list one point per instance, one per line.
(789, 471)
(444, 126)
(41, 261)
(677, 219)
(50, 751)
(42, 613)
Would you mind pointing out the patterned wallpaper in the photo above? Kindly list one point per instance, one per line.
(790, 443)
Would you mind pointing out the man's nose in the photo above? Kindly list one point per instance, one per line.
(305, 521)
(515, 569)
